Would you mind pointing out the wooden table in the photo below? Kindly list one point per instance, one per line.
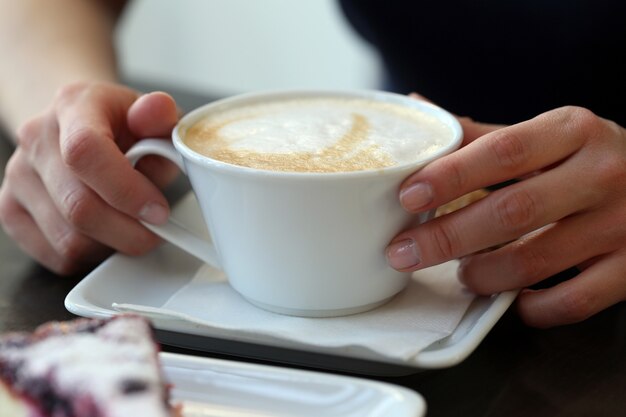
(576, 370)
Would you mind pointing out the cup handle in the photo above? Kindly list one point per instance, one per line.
(173, 231)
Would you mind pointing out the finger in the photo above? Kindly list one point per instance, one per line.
(501, 155)
(502, 216)
(88, 147)
(26, 234)
(161, 172)
(29, 191)
(73, 250)
(71, 215)
(76, 221)
(593, 290)
(541, 254)
(20, 226)
(153, 115)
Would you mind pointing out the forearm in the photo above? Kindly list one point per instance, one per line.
(45, 44)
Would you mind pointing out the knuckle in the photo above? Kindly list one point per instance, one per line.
(453, 172)
(445, 242)
(71, 247)
(615, 131)
(509, 151)
(76, 147)
(69, 91)
(28, 134)
(515, 211)
(581, 119)
(611, 171)
(78, 206)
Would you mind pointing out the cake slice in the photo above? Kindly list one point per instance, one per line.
(84, 368)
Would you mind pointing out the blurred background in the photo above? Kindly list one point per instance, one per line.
(224, 47)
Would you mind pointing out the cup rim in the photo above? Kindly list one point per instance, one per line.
(188, 119)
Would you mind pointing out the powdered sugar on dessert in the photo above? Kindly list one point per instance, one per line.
(113, 367)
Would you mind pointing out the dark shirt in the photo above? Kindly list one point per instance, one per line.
(501, 61)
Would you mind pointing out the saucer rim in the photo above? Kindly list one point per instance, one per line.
(168, 268)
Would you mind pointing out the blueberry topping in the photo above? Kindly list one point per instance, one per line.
(14, 341)
(133, 386)
(50, 402)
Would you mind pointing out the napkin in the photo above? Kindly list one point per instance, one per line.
(427, 310)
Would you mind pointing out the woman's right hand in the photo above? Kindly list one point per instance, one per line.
(69, 196)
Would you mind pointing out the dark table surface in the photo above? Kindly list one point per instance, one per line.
(575, 370)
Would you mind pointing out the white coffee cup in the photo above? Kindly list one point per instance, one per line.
(297, 243)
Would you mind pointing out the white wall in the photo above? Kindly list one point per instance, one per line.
(231, 46)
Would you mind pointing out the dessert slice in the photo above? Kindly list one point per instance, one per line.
(84, 368)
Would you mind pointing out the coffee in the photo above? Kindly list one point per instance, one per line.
(318, 134)
(304, 244)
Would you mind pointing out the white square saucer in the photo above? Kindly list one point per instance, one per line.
(152, 279)
(214, 387)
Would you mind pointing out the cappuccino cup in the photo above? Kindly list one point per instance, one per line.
(299, 192)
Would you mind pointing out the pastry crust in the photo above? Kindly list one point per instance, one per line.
(82, 368)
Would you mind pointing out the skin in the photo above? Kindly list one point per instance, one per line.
(48, 45)
(69, 197)
(569, 209)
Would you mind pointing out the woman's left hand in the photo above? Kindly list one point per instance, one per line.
(568, 209)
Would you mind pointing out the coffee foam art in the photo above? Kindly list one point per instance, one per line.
(318, 134)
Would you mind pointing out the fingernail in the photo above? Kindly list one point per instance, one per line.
(403, 254)
(416, 196)
(154, 213)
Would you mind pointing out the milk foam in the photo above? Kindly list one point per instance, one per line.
(318, 135)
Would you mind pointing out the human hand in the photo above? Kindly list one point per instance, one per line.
(568, 209)
(69, 195)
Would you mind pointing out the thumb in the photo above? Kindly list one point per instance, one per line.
(152, 115)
